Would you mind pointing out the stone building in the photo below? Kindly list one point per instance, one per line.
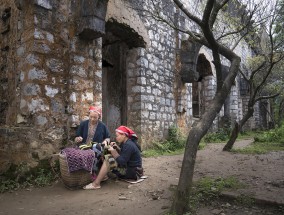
(60, 57)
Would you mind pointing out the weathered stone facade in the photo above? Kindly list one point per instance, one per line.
(59, 57)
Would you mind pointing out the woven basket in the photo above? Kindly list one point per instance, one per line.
(73, 180)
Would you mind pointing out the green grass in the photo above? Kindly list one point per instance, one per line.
(265, 141)
(223, 135)
(156, 153)
(247, 135)
(209, 189)
(245, 200)
(260, 148)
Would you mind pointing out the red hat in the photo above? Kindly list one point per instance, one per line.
(127, 131)
(95, 109)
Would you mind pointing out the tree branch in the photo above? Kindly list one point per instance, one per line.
(268, 97)
(187, 13)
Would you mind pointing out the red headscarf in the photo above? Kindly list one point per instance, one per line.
(127, 131)
(95, 109)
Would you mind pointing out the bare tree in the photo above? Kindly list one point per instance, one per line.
(262, 67)
(212, 34)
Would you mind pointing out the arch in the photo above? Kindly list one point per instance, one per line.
(203, 66)
(207, 54)
(202, 89)
(124, 22)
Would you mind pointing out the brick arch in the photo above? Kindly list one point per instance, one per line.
(124, 22)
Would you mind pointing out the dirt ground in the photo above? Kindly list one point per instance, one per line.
(263, 174)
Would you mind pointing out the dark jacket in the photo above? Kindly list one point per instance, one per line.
(129, 155)
(100, 134)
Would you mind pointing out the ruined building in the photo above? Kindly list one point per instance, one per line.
(59, 57)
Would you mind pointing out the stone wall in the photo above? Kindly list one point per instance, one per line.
(52, 70)
(52, 77)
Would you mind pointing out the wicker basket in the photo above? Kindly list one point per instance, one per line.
(73, 180)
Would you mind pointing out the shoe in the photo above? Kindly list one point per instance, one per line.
(91, 187)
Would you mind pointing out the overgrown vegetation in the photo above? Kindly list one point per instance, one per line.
(260, 148)
(266, 141)
(274, 135)
(216, 137)
(173, 145)
(223, 134)
(23, 177)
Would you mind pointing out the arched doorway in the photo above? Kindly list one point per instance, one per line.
(117, 42)
(114, 77)
(202, 88)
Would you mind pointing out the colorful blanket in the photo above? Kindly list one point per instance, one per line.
(79, 159)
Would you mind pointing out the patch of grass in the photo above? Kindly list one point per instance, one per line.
(245, 200)
(201, 145)
(260, 148)
(208, 189)
(211, 188)
(265, 141)
(246, 135)
(156, 153)
(273, 135)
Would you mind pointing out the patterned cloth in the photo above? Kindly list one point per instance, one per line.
(79, 159)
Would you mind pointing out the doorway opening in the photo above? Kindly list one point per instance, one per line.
(114, 76)
(200, 87)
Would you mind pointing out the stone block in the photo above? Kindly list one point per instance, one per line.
(31, 89)
(32, 59)
(47, 4)
(50, 91)
(188, 73)
(55, 65)
(78, 70)
(37, 74)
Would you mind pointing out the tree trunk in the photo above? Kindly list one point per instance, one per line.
(233, 137)
(280, 112)
(180, 203)
(236, 130)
